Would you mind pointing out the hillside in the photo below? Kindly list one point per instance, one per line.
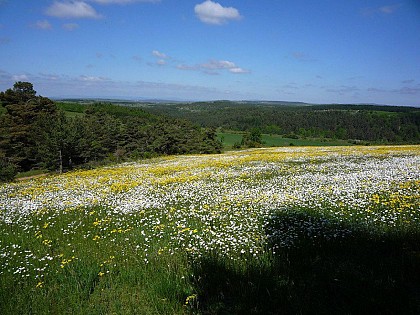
(332, 230)
(37, 133)
(373, 123)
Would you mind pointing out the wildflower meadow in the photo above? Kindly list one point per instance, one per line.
(291, 230)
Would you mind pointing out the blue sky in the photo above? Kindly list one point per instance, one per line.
(325, 51)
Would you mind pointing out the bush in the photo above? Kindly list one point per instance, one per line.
(8, 170)
(237, 145)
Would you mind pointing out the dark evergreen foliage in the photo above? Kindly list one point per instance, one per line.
(252, 139)
(23, 112)
(7, 170)
(378, 124)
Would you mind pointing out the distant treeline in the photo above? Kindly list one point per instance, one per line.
(36, 132)
(376, 124)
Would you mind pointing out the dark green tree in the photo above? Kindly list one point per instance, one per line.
(8, 170)
(50, 135)
(101, 135)
(210, 143)
(23, 108)
(252, 139)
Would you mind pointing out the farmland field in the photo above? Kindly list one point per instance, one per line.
(296, 230)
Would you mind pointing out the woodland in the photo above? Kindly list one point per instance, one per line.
(376, 124)
(36, 134)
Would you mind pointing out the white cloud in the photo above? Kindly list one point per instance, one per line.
(72, 9)
(48, 76)
(86, 78)
(213, 66)
(43, 25)
(20, 77)
(62, 85)
(343, 89)
(186, 67)
(70, 26)
(161, 58)
(219, 64)
(159, 54)
(238, 70)
(389, 9)
(223, 64)
(214, 13)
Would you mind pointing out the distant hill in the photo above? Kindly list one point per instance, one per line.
(373, 123)
(355, 122)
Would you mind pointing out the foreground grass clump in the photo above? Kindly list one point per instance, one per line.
(88, 260)
(268, 231)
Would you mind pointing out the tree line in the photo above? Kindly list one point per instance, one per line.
(36, 134)
(376, 124)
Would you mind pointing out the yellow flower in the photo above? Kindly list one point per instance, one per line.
(47, 242)
(190, 299)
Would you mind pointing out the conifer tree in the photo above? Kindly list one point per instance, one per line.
(23, 108)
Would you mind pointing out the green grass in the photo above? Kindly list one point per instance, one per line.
(73, 107)
(90, 274)
(31, 173)
(229, 139)
(361, 273)
(73, 114)
(279, 141)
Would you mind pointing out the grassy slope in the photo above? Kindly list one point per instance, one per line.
(96, 267)
(229, 139)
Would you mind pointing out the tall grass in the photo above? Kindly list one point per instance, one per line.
(66, 264)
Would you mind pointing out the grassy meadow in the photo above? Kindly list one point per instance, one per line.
(229, 139)
(292, 230)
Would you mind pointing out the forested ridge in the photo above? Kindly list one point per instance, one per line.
(36, 133)
(373, 123)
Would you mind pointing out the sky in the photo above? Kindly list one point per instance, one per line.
(326, 51)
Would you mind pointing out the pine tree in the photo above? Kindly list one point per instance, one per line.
(23, 108)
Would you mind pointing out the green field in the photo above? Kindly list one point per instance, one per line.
(229, 139)
(291, 230)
